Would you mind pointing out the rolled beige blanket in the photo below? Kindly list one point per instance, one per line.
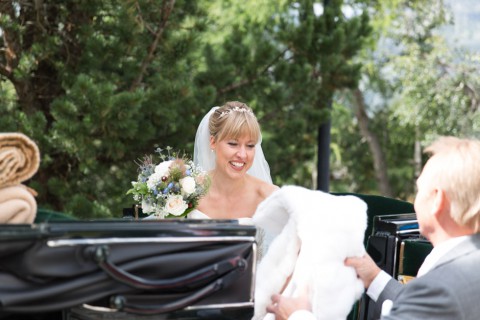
(19, 158)
(17, 205)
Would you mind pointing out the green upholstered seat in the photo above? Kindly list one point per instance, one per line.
(380, 205)
(412, 254)
(46, 215)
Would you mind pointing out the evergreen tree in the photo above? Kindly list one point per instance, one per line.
(288, 65)
(98, 84)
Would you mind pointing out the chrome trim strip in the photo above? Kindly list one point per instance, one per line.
(221, 305)
(76, 242)
(394, 272)
(98, 308)
(200, 307)
(407, 231)
(254, 270)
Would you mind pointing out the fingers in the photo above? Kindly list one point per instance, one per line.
(271, 308)
(275, 298)
(351, 261)
(365, 268)
(355, 262)
(283, 306)
(274, 305)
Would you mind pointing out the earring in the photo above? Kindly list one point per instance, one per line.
(212, 150)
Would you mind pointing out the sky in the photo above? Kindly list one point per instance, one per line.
(466, 29)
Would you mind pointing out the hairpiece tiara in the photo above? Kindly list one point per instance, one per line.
(236, 109)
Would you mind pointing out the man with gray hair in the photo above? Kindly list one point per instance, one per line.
(447, 205)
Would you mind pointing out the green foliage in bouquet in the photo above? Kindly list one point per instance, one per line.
(170, 189)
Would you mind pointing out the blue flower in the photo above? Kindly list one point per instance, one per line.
(188, 172)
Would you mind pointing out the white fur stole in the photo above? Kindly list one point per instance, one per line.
(308, 235)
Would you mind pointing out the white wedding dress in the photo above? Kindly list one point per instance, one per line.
(197, 214)
(260, 236)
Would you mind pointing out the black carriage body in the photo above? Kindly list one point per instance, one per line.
(169, 269)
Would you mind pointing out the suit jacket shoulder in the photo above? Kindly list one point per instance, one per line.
(451, 290)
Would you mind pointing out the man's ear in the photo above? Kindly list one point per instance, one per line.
(440, 202)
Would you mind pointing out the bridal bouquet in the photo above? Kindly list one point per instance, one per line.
(170, 189)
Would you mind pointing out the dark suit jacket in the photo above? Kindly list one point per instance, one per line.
(451, 290)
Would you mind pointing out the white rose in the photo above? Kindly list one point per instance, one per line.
(176, 205)
(147, 207)
(154, 180)
(188, 185)
(162, 168)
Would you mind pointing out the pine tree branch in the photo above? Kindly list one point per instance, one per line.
(11, 42)
(4, 71)
(247, 81)
(167, 9)
(139, 9)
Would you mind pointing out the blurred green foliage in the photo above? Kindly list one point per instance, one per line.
(99, 84)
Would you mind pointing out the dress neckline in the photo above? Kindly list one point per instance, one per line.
(197, 214)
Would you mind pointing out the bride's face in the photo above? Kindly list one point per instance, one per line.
(234, 156)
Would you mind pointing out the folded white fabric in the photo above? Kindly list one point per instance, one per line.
(17, 205)
(310, 234)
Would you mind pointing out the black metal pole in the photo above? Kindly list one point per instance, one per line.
(323, 143)
(323, 156)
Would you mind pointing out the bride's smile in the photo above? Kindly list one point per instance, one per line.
(238, 164)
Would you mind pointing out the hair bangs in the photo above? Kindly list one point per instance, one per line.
(240, 125)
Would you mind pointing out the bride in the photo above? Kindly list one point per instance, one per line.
(228, 146)
(303, 235)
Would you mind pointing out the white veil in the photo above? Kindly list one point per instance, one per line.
(205, 158)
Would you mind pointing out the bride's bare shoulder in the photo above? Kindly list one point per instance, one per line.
(263, 188)
(269, 189)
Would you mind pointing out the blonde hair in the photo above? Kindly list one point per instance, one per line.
(233, 120)
(460, 177)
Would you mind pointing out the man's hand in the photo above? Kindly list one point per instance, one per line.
(283, 307)
(365, 267)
